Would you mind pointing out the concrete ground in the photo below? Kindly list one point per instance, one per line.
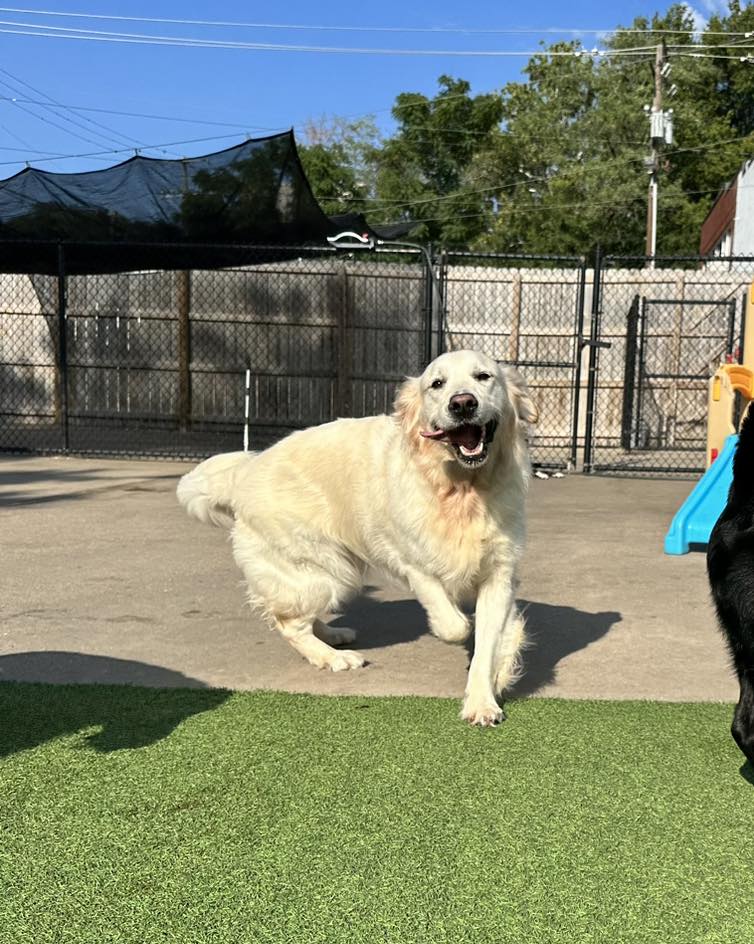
(105, 579)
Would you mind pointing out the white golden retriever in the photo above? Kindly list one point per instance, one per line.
(432, 496)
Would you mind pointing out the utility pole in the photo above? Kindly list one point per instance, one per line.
(660, 132)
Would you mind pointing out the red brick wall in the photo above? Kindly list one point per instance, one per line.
(719, 219)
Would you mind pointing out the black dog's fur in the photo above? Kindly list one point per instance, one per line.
(730, 566)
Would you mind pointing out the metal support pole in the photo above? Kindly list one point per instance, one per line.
(247, 395)
(183, 292)
(578, 332)
(591, 395)
(344, 353)
(429, 307)
(63, 346)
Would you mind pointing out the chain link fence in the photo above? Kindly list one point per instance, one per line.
(183, 363)
(526, 311)
(662, 332)
(618, 353)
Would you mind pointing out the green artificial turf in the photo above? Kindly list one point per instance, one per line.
(136, 815)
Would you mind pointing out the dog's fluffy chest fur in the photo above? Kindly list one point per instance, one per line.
(469, 533)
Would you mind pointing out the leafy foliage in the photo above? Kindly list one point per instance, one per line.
(555, 163)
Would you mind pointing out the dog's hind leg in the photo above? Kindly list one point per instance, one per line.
(291, 593)
(300, 633)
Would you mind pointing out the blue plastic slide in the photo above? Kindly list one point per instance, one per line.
(695, 519)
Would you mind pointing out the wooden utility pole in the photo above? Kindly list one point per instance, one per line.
(657, 135)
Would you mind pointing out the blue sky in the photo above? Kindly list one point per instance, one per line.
(253, 91)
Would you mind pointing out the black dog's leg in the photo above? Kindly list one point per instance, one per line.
(742, 728)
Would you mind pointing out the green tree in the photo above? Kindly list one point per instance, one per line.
(424, 170)
(339, 158)
(571, 167)
(555, 163)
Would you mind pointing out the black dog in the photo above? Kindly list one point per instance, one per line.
(730, 566)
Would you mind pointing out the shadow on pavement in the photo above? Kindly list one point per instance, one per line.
(15, 491)
(82, 691)
(383, 622)
(554, 632)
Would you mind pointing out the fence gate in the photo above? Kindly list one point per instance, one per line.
(668, 329)
(673, 348)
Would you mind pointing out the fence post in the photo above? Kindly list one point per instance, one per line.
(641, 441)
(629, 375)
(183, 293)
(594, 332)
(430, 306)
(442, 279)
(62, 384)
(513, 343)
(672, 414)
(343, 352)
(578, 336)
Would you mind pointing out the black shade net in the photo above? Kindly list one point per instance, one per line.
(147, 213)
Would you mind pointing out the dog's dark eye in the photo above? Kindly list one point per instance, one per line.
(483, 376)
(438, 383)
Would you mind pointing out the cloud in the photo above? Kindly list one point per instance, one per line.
(698, 18)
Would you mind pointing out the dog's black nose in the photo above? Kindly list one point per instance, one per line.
(463, 405)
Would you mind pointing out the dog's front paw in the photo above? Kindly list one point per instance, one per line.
(346, 659)
(483, 713)
(456, 629)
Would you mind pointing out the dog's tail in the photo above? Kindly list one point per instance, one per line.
(207, 491)
(743, 460)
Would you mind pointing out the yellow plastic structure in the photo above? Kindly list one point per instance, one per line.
(728, 380)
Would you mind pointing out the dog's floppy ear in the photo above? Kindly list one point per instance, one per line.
(526, 408)
(408, 405)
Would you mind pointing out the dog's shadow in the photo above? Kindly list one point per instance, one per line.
(382, 623)
(554, 632)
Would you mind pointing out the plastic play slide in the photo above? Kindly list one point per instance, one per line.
(695, 519)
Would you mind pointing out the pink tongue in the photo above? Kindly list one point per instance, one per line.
(467, 436)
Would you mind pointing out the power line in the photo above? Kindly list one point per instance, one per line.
(460, 30)
(703, 55)
(219, 124)
(533, 179)
(638, 201)
(49, 108)
(27, 149)
(149, 147)
(114, 135)
(132, 114)
(55, 124)
(18, 138)
(66, 32)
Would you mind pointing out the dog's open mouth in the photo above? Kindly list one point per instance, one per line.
(470, 441)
